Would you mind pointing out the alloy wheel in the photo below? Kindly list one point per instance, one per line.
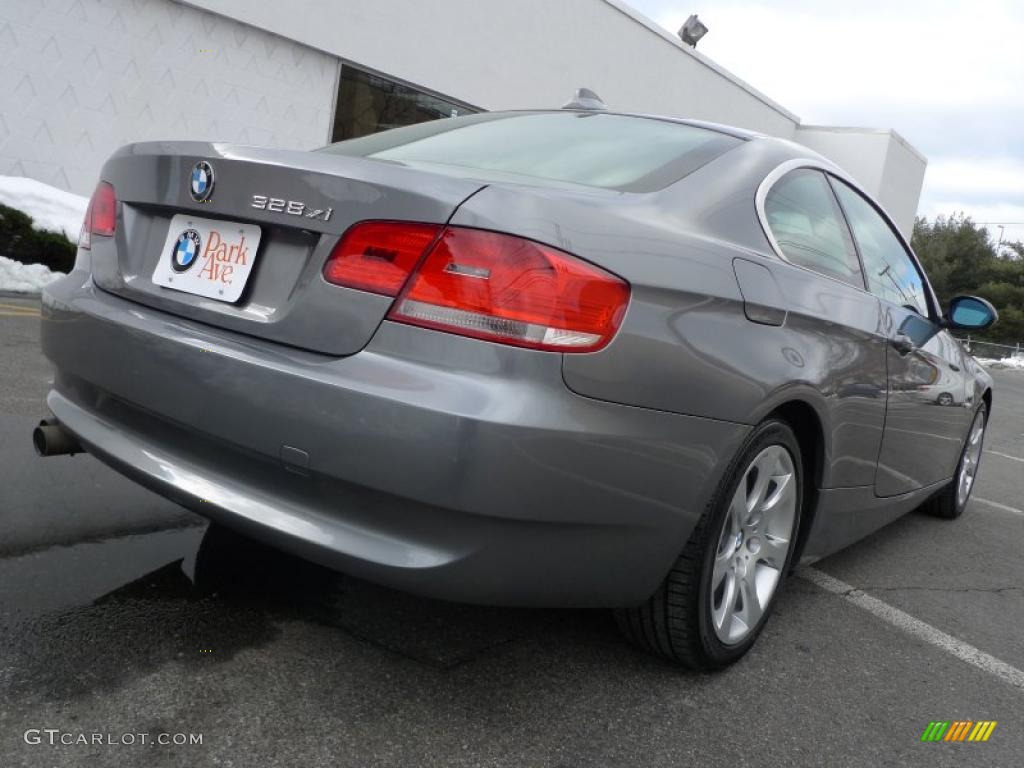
(754, 544)
(970, 461)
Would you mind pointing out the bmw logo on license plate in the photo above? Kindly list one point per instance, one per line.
(201, 181)
(186, 250)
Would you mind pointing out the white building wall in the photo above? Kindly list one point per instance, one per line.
(880, 160)
(507, 54)
(902, 182)
(79, 78)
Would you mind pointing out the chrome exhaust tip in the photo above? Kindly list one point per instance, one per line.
(51, 439)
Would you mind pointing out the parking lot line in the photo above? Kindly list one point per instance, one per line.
(997, 505)
(915, 627)
(19, 312)
(1006, 456)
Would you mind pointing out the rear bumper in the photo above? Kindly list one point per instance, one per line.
(435, 464)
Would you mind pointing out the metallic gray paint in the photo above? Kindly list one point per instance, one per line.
(471, 470)
(686, 329)
(914, 418)
(436, 463)
(286, 299)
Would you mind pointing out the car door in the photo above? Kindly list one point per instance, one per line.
(924, 430)
(832, 320)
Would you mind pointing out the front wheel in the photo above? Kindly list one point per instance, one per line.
(951, 501)
(714, 602)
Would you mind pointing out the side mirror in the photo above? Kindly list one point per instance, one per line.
(970, 313)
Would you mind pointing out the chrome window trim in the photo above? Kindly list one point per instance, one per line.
(830, 169)
(933, 299)
(769, 181)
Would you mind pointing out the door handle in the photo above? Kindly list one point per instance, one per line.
(954, 367)
(903, 344)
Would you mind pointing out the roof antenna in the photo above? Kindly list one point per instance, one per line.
(584, 98)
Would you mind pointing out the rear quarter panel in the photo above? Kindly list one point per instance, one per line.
(686, 345)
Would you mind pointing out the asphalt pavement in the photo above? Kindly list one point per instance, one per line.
(122, 615)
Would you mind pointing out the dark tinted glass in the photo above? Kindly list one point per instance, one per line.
(596, 149)
(891, 273)
(808, 226)
(370, 103)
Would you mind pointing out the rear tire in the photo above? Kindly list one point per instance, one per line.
(713, 604)
(951, 501)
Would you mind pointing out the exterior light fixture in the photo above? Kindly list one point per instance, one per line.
(692, 31)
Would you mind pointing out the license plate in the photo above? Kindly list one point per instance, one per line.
(207, 257)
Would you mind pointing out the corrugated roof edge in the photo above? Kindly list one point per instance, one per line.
(668, 37)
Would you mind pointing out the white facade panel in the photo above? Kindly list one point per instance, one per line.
(497, 54)
(881, 161)
(79, 78)
(902, 182)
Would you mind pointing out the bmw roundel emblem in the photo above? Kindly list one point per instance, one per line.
(186, 250)
(201, 181)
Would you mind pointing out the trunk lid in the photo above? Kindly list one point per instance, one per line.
(301, 202)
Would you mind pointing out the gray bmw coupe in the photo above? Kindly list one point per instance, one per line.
(565, 357)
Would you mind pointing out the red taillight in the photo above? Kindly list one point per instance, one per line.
(514, 291)
(100, 216)
(378, 256)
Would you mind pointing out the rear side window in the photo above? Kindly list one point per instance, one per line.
(808, 226)
(627, 153)
(891, 272)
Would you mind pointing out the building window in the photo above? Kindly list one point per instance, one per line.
(369, 103)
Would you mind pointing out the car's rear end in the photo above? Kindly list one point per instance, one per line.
(309, 347)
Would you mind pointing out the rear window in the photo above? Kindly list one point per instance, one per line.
(633, 154)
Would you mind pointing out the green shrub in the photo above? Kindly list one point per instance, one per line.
(19, 241)
(960, 258)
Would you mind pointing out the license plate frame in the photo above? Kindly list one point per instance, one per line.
(213, 258)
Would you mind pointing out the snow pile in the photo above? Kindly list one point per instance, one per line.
(49, 207)
(1016, 363)
(24, 278)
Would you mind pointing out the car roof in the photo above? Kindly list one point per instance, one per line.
(729, 130)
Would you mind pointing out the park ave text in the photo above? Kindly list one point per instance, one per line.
(220, 259)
